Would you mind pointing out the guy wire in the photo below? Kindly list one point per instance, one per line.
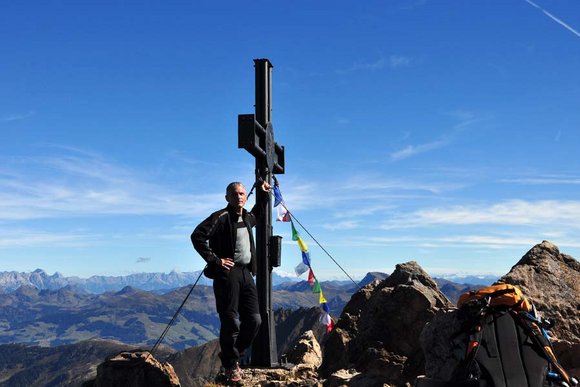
(158, 343)
(319, 245)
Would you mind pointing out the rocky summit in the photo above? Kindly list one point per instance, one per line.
(377, 334)
(552, 281)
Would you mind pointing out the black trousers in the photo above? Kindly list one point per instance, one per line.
(236, 299)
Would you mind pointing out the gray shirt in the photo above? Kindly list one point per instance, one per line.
(243, 253)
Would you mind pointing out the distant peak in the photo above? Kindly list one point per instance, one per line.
(127, 290)
(372, 276)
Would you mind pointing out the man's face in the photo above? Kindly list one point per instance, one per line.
(237, 197)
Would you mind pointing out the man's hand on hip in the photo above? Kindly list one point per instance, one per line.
(227, 263)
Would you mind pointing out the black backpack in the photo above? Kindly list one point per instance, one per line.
(508, 344)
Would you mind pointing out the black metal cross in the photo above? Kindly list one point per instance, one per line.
(256, 135)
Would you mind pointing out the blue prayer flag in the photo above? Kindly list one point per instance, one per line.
(277, 196)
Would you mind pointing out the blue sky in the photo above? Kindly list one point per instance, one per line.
(445, 132)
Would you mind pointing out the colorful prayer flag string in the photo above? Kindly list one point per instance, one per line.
(306, 265)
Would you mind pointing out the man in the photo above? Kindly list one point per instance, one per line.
(225, 241)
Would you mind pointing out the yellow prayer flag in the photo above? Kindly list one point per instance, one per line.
(302, 244)
(322, 300)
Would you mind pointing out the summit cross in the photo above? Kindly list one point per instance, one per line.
(256, 135)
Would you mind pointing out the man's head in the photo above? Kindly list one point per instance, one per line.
(236, 195)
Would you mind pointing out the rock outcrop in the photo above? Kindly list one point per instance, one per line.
(377, 334)
(134, 369)
(306, 351)
(291, 324)
(552, 281)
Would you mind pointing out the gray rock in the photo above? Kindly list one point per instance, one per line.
(134, 369)
(551, 280)
(378, 331)
(306, 351)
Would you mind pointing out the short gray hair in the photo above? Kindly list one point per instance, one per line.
(232, 185)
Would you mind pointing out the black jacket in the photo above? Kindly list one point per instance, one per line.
(215, 237)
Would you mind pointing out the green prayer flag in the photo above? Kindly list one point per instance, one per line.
(316, 287)
(295, 235)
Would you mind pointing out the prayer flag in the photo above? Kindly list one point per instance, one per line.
(283, 214)
(277, 196)
(329, 326)
(325, 319)
(316, 287)
(302, 244)
(301, 269)
(295, 235)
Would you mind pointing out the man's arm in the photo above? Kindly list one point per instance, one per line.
(201, 236)
(200, 239)
(258, 210)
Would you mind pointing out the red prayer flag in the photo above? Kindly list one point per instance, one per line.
(310, 277)
(329, 326)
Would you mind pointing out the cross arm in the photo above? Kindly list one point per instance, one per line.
(259, 142)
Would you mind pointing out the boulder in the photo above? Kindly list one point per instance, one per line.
(306, 351)
(551, 280)
(134, 369)
(378, 331)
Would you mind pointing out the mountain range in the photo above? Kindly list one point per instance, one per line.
(52, 317)
(163, 282)
(68, 315)
(12, 280)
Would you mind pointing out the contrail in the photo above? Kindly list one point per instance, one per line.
(572, 30)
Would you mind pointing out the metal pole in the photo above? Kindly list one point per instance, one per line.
(264, 349)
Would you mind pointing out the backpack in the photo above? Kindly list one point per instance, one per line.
(508, 345)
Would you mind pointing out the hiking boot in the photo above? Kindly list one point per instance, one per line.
(234, 373)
